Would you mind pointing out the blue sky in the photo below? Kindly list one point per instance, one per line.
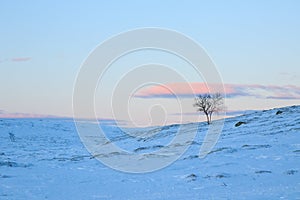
(43, 44)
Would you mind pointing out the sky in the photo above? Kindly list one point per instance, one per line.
(255, 46)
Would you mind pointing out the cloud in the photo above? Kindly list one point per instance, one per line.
(18, 115)
(186, 114)
(11, 115)
(20, 59)
(184, 90)
(190, 90)
(15, 59)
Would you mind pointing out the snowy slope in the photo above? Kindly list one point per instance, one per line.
(45, 159)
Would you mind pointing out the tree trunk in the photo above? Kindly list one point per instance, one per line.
(207, 118)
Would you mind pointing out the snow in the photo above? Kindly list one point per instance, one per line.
(45, 159)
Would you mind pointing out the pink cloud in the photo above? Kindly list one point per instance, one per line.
(21, 59)
(188, 90)
(8, 115)
(182, 89)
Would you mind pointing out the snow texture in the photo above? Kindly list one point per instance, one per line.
(257, 159)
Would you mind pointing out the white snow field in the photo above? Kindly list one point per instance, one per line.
(260, 159)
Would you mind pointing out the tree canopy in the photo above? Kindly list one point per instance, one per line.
(208, 104)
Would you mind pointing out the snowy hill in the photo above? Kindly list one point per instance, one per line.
(256, 157)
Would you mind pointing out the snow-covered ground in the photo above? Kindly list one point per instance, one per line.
(45, 159)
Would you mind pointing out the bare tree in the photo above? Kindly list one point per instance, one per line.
(208, 104)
